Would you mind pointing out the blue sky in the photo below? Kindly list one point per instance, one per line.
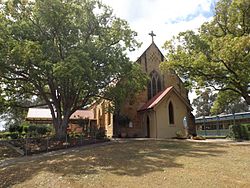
(165, 17)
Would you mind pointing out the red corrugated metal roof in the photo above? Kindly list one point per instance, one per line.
(156, 99)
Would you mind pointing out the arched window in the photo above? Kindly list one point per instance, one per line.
(171, 113)
(154, 85)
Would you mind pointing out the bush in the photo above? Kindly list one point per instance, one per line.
(245, 131)
(13, 128)
(180, 134)
(14, 135)
(239, 131)
(4, 135)
(25, 129)
(35, 130)
(101, 133)
(42, 130)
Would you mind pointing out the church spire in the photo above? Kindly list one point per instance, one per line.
(152, 35)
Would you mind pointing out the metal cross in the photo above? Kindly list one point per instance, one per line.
(152, 35)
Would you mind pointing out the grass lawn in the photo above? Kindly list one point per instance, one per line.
(147, 163)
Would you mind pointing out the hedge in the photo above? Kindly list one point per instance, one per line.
(241, 131)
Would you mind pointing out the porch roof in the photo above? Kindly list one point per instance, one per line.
(158, 98)
(45, 114)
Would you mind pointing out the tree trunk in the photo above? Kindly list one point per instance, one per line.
(247, 98)
(61, 128)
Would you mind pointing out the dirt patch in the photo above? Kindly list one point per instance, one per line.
(151, 163)
(7, 153)
(46, 144)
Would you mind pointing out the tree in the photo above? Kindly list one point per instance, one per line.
(125, 91)
(228, 102)
(211, 103)
(66, 52)
(133, 82)
(218, 55)
(14, 108)
(204, 102)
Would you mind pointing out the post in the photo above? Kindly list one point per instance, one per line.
(26, 145)
(217, 125)
(204, 126)
(234, 118)
(81, 139)
(47, 148)
(66, 141)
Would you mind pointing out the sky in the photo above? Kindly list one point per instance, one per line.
(165, 18)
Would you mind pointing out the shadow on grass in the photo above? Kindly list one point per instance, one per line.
(135, 158)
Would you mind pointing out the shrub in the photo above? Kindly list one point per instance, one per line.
(25, 126)
(25, 129)
(239, 131)
(19, 129)
(13, 128)
(32, 128)
(247, 126)
(245, 129)
(180, 134)
(14, 135)
(42, 130)
(35, 130)
(4, 135)
(101, 133)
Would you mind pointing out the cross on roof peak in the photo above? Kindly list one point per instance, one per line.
(152, 35)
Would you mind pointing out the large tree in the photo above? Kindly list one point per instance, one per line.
(218, 55)
(228, 102)
(66, 52)
(210, 103)
(204, 102)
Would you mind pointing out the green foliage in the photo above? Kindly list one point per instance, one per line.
(218, 55)
(4, 135)
(239, 131)
(204, 102)
(26, 129)
(66, 54)
(210, 103)
(101, 133)
(228, 102)
(15, 128)
(132, 82)
(41, 130)
(14, 135)
(9, 135)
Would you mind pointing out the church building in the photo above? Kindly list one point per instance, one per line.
(161, 111)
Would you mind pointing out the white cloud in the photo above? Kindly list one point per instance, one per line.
(165, 17)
